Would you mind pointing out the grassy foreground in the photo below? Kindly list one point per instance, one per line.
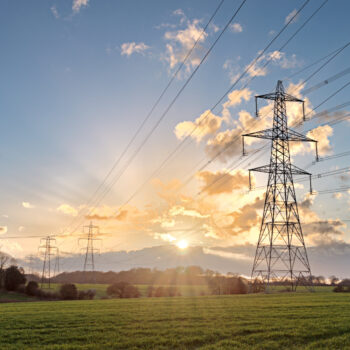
(289, 321)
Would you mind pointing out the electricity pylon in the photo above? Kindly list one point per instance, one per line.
(48, 246)
(281, 255)
(30, 261)
(92, 232)
(57, 263)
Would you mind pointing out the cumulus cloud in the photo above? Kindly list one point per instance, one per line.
(228, 143)
(235, 97)
(28, 205)
(179, 42)
(321, 134)
(107, 213)
(277, 58)
(317, 230)
(247, 216)
(290, 16)
(54, 11)
(78, 4)
(128, 49)
(167, 237)
(223, 182)
(206, 124)
(236, 28)
(67, 210)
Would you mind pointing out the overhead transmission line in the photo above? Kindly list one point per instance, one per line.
(170, 155)
(154, 106)
(163, 115)
(264, 66)
(239, 135)
(264, 147)
(317, 61)
(232, 86)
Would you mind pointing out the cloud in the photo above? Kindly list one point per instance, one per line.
(321, 134)
(128, 49)
(235, 97)
(247, 216)
(181, 14)
(67, 210)
(78, 4)
(317, 230)
(54, 11)
(179, 42)
(236, 28)
(223, 182)
(27, 205)
(290, 16)
(206, 124)
(227, 255)
(3, 230)
(167, 237)
(111, 216)
(228, 143)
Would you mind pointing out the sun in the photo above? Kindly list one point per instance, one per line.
(183, 244)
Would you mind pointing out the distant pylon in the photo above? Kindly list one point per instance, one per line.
(92, 232)
(30, 261)
(57, 263)
(49, 249)
(281, 255)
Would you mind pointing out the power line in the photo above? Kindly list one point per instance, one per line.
(48, 246)
(168, 108)
(216, 104)
(140, 127)
(317, 61)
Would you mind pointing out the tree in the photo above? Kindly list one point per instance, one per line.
(69, 291)
(227, 285)
(123, 290)
(32, 288)
(4, 260)
(14, 277)
(333, 280)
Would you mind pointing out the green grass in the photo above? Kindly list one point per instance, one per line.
(279, 321)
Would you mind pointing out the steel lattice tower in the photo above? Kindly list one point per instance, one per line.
(281, 254)
(89, 262)
(48, 245)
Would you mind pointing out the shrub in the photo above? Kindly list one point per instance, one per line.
(21, 288)
(173, 292)
(123, 290)
(14, 277)
(68, 291)
(86, 294)
(32, 288)
(227, 285)
(338, 289)
(159, 292)
(150, 291)
(42, 294)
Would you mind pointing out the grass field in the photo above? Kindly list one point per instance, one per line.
(279, 321)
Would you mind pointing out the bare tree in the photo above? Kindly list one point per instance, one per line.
(5, 260)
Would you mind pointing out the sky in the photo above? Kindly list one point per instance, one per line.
(80, 76)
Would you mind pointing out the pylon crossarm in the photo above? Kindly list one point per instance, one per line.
(262, 134)
(280, 170)
(270, 134)
(296, 136)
